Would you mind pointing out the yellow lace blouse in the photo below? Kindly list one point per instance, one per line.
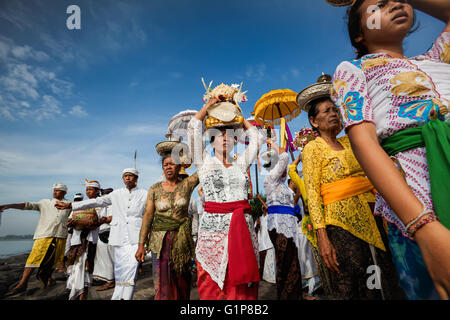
(322, 165)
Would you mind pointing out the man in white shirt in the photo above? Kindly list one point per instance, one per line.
(49, 238)
(104, 257)
(127, 206)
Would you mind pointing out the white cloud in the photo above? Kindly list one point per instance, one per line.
(256, 73)
(10, 50)
(26, 52)
(28, 90)
(50, 107)
(136, 129)
(78, 111)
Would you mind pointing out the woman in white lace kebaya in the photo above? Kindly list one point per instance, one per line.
(227, 249)
(282, 223)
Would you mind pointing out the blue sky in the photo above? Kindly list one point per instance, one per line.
(75, 104)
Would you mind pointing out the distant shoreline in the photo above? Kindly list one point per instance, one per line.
(15, 238)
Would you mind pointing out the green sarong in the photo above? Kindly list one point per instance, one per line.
(182, 250)
(435, 137)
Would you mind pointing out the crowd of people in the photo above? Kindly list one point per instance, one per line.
(373, 202)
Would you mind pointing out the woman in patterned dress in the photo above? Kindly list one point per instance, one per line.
(227, 250)
(397, 107)
(166, 220)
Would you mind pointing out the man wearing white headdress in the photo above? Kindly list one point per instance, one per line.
(127, 206)
(83, 244)
(49, 238)
(104, 257)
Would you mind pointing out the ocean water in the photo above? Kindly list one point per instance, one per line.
(10, 248)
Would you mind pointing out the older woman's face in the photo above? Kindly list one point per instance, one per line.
(327, 118)
(170, 168)
(395, 19)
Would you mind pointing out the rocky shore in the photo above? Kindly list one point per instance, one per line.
(11, 270)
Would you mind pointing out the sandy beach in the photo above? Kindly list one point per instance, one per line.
(11, 271)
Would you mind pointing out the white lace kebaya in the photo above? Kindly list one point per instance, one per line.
(279, 194)
(220, 184)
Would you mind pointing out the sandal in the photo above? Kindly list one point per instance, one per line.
(106, 286)
(16, 291)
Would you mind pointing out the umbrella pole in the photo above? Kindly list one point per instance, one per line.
(256, 175)
(292, 154)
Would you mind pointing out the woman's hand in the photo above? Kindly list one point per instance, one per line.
(434, 241)
(276, 147)
(201, 114)
(298, 159)
(327, 251)
(140, 253)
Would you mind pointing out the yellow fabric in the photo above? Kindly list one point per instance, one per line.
(40, 248)
(345, 188)
(283, 134)
(322, 165)
(300, 184)
(266, 108)
(212, 122)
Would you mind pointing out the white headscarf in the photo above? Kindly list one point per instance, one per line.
(92, 183)
(60, 186)
(131, 170)
(78, 196)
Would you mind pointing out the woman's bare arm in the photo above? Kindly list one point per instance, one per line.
(433, 239)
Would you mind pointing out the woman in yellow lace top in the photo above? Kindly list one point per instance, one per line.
(349, 237)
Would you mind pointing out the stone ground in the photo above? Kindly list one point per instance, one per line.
(11, 271)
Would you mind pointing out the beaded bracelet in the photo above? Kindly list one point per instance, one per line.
(424, 212)
(432, 217)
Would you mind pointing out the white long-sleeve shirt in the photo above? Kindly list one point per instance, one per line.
(52, 222)
(127, 211)
(279, 194)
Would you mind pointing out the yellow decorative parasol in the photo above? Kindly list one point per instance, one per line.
(276, 108)
(275, 105)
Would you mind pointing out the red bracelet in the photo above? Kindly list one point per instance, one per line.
(430, 218)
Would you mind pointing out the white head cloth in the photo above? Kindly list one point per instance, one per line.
(92, 183)
(60, 186)
(78, 196)
(131, 170)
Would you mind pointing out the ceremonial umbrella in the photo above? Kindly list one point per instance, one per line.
(276, 108)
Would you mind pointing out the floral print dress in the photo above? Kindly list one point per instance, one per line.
(396, 94)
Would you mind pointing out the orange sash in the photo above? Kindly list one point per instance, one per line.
(344, 189)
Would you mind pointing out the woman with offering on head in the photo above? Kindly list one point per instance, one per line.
(166, 228)
(350, 239)
(227, 250)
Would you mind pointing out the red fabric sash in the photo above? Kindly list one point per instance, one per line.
(242, 264)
